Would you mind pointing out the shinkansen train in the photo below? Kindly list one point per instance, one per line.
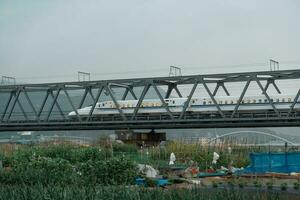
(152, 106)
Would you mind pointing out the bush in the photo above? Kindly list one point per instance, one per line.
(283, 186)
(257, 184)
(269, 185)
(68, 165)
(114, 171)
(296, 186)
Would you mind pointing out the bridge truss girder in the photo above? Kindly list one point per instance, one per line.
(40, 118)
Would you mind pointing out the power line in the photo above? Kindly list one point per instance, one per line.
(161, 69)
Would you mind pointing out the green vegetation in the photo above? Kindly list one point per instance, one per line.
(119, 193)
(270, 185)
(108, 171)
(67, 165)
(283, 186)
(296, 186)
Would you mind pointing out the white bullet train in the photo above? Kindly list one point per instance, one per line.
(228, 103)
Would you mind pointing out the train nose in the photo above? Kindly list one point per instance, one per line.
(72, 113)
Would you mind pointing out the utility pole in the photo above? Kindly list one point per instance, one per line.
(7, 80)
(84, 76)
(175, 71)
(274, 65)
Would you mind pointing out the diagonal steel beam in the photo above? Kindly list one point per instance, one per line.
(267, 96)
(132, 92)
(71, 103)
(16, 96)
(22, 109)
(125, 94)
(225, 89)
(241, 97)
(138, 105)
(91, 93)
(57, 105)
(101, 87)
(163, 101)
(83, 98)
(7, 105)
(108, 90)
(212, 98)
(272, 81)
(53, 103)
(220, 84)
(267, 86)
(186, 104)
(178, 92)
(216, 89)
(29, 101)
(169, 90)
(294, 103)
(276, 87)
(172, 87)
(42, 106)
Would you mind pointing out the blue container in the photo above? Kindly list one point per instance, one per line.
(274, 162)
(162, 182)
(140, 181)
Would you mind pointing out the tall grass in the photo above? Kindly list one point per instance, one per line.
(129, 193)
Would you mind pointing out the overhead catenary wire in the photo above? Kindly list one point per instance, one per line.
(157, 71)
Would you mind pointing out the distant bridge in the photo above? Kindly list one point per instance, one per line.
(252, 132)
(42, 106)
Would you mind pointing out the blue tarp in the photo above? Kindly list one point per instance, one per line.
(274, 162)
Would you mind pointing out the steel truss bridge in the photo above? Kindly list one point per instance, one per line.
(47, 112)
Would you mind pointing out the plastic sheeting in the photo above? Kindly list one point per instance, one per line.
(274, 162)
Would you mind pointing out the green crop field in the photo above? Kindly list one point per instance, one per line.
(108, 171)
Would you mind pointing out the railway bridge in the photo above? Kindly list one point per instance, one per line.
(45, 106)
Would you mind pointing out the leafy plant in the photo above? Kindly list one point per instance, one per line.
(296, 185)
(214, 184)
(269, 185)
(283, 186)
(241, 184)
(257, 184)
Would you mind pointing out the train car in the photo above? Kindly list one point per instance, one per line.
(204, 105)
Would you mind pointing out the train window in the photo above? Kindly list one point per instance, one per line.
(283, 100)
(102, 104)
(266, 100)
(231, 101)
(242, 101)
(173, 102)
(271, 100)
(289, 99)
(210, 102)
(225, 102)
(204, 102)
(193, 101)
(254, 101)
(277, 100)
(259, 101)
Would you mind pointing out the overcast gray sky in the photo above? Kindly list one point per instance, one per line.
(51, 40)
